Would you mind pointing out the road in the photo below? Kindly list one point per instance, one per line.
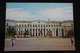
(39, 44)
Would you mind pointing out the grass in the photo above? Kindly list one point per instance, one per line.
(8, 36)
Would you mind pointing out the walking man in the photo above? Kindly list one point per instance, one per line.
(13, 40)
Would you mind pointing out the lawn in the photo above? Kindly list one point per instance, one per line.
(8, 36)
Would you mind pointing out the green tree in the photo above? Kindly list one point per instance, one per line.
(11, 31)
(26, 33)
(70, 33)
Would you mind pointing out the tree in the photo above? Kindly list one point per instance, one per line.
(26, 33)
(70, 33)
(11, 31)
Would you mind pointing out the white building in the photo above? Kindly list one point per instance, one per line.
(41, 28)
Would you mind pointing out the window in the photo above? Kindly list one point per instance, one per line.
(19, 25)
(49, 25)
(71, 24)
(25, 24)
(30, 25)
(19, 29)
(46, 25)
(41, 25)
(22, 24)
(59, 25)
(56, 25)
(33, 25)
(7, 24)
(30, 29)
(25, 29)
(38, 22)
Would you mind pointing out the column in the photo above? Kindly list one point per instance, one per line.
(28, 29)
(64, 32)
(34, 32)
(43, 32)
(55, 32)
(37, 32)
(29, 32)
(40, 32)
(60, 33)
(47, 31)
(52, 33)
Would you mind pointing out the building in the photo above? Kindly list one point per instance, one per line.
(41, 28)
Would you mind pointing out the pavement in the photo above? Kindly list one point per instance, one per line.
(39, 44)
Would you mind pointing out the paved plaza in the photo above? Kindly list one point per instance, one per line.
(39, 44)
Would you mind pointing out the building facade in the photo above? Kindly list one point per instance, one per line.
(41, 28)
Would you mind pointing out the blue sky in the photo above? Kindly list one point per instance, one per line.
(39, 11)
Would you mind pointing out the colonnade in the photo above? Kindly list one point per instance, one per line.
(44, 32)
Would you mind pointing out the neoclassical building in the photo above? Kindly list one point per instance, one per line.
(41, 28)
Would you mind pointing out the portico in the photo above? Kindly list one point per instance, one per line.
(44, 32)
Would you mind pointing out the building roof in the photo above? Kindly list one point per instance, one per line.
(24, 21)
(54, 21)
(68, 21)
(9, 20)
(46, 21)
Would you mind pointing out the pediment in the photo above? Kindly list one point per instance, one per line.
(39, 22)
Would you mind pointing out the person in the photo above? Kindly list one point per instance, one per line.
(13, 40)
(72, 40)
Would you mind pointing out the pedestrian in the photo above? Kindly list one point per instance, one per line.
(13, 40)
(72, 40)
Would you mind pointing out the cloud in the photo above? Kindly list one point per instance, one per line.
(59, 13)
(17, 14)
(65, 13)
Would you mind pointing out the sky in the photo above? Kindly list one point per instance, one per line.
(39, 11)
